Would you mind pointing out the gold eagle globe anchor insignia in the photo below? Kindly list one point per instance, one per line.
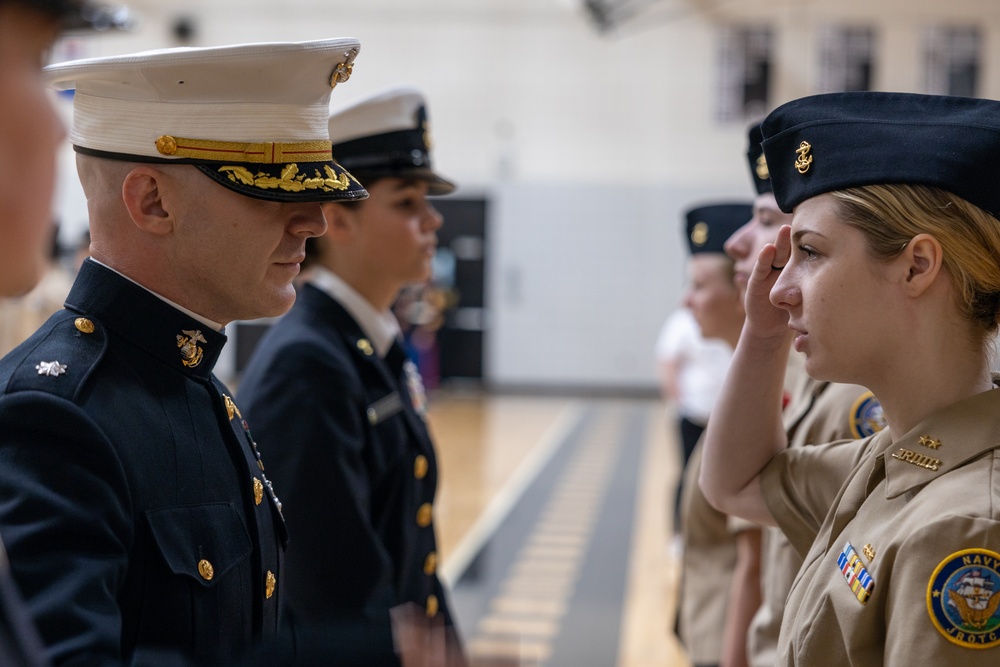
(191, 353)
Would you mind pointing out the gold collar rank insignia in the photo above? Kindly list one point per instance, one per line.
(191, 353)
(962, 599)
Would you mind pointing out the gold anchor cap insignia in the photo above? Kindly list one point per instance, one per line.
(191, 353)
(761, 168)
(699, 234)
(804, 160)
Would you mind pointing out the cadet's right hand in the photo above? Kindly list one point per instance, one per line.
(764, 319)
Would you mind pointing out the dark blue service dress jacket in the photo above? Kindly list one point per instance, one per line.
(133, 503)
(355, 463)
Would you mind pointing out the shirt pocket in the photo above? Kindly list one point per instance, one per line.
(201, 543)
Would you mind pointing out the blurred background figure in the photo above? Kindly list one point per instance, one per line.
(709, 624)
(21, 316)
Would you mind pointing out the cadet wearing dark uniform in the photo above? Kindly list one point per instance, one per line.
(138, 516)
(888, 277)
(337, 405)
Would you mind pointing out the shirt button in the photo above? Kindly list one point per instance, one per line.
(424, 514)
(420, 466)
(432, 606)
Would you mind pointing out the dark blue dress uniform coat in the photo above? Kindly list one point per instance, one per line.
(134, 507)
(355, 463)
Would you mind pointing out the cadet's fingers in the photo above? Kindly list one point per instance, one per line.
(782, 247)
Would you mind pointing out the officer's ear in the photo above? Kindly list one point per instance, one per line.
(142, 192)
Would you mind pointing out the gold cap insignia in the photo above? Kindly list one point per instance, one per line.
(761, 168)
(342, 72)
(804, 160)
(191, 354)
(699, 234)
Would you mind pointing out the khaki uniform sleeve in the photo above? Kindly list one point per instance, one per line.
(801, 484)
(919, 631)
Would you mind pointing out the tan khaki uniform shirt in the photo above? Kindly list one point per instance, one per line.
(904, 570)
(819, 412)
(707, 569)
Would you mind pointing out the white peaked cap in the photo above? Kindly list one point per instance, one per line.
(231, 110)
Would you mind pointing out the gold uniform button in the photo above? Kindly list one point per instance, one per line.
(270, 581)
(431, 563)
(420, 466)
(83, 325)
(432, 606)
(258, 491)
(366, 347)
(206, 570)
(424, 514)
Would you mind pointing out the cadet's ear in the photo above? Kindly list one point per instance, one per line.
(922, 259)
(142, 192)
(340, 222)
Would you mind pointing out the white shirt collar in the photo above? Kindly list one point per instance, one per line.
(381, 328)
(204, 320)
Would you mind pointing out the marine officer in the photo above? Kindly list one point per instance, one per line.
(888, 277)
(337, 403)
(137, 512)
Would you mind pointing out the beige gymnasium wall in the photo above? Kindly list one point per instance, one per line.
(587, 145)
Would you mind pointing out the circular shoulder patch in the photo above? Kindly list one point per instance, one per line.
(962, 600)
(866, 416)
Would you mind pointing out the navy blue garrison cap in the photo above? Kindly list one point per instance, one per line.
(709, 226)
(831, 142)
(758, 164)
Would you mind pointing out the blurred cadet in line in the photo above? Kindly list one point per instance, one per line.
(30, 134)
(707, 621)
(339, 404)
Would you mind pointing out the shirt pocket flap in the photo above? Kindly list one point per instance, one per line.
(202, 542)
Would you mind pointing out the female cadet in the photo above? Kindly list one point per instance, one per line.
(889, 278)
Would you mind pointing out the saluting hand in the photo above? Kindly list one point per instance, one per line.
(764, 320)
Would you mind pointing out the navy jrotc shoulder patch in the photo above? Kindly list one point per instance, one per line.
(963, 598)
(866, 416)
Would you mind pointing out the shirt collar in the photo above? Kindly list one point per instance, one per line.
(943, 441)
(380, 328)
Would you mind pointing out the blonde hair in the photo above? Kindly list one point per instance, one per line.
(891, 215)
